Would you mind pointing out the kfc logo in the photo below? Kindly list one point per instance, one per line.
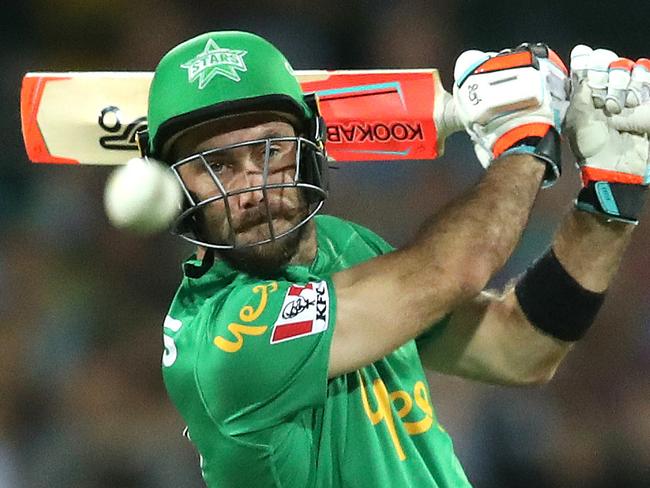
(305, 311)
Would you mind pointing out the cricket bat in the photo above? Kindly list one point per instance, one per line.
(92, 117)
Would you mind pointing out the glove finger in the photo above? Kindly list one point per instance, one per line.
(585, 125)
(636, 120)
(580, 61)
(598, 74)
(467, 62)
(580, 90)
(639, 89)
(620, 73)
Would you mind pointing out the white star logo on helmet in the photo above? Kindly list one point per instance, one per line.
(213, 61)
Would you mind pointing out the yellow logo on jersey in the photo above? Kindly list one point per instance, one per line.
(247, 314)
(384, 411)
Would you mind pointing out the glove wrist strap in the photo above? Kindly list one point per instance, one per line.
(616, 201)
(539, 140)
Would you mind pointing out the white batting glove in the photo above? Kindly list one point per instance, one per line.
(513, 102)
(608, 124)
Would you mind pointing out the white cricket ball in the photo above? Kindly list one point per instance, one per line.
(142, 196)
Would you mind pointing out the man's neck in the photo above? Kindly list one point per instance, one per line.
(305, 254)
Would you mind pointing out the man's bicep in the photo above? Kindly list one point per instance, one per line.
(380, 308)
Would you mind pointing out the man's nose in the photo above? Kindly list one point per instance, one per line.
(251, 176)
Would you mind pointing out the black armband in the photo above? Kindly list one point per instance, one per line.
(554, 302)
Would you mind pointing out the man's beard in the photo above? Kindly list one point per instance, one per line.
(265, 260)
(262, 260)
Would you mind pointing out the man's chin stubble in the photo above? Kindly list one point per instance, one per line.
(265, 260)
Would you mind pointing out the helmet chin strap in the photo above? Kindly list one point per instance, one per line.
(207, 261)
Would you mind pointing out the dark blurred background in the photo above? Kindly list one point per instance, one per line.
(81, 304)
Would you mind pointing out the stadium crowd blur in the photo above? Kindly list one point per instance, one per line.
(81, 304)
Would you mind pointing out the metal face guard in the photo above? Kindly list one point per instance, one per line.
(310, 167)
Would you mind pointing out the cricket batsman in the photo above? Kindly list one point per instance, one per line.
(296, 344)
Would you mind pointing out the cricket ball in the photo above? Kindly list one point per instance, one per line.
(143, 196)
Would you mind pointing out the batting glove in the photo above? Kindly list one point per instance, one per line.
(608, 124)
(513, 102)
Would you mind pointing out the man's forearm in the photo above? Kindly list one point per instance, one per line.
(495, 338)
(449, 262)
(591, 249)
(476, 234)
(562, 292)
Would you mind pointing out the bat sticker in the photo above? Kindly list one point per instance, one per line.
(109, 120)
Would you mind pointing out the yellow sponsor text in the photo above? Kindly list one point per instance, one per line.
(247, 314)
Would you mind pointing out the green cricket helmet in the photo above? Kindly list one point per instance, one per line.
(223, 74)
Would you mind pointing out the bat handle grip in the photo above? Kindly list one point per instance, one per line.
(447, 120)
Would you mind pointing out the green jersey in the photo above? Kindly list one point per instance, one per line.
(246, 363)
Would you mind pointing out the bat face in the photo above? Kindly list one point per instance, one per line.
(83, 118)
(93, 117)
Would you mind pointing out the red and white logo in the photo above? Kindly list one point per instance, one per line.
(305, 311)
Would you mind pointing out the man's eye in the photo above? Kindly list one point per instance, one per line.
(217, 167)
(274, 151)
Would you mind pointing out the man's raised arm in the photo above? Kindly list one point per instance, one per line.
(392, 299)
(521, 335)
